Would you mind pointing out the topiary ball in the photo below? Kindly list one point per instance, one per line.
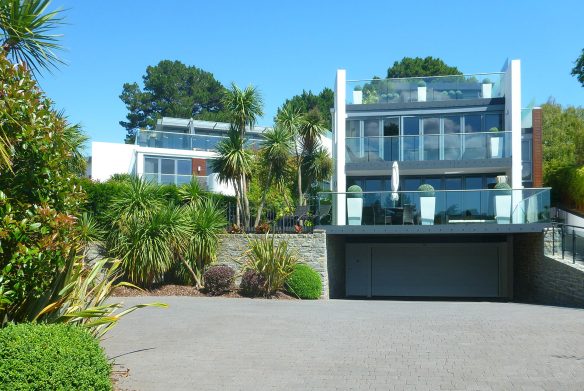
(356, 191)
(427, 190)
(304, 282)
(503, 188)
(218, 279)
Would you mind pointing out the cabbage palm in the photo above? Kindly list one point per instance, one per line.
(234, 165)
(244, 108)
(274, 153)
(139, 197)
(205, 221)
(192, 192)
(26, 33)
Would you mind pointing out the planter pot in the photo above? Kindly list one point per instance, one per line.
(421, 94)
(503, 209)
(487, 90)
(496, 150)
(357, 97)
(354, 210)
(428, 207)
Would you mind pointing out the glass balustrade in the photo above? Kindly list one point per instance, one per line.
(517, 206)
(183, 141)
(452, 146)
(426, 89)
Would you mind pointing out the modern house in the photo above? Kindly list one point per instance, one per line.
(174, 152)
(460, 134)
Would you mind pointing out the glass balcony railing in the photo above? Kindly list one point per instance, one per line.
(452, 146)
(183, 141)
(517, 206)
(173, 179)
(426, 89)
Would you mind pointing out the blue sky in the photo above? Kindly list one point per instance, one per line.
(283, 47)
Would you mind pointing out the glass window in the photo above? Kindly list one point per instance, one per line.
(472, 123)
(431, 130)
(452, 124)
(150, 165)
(353, 128)
(167, 166)
(526, 150)
(371, 128)
(411, 126)
(391, 126)
(494, 121)
(410, 184)
(184, 167)
(453, 203)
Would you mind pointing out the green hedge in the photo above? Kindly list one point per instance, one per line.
(567, 185)
(304, 282)
(51, 357)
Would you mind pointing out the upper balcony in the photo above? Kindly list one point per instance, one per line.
(181, 141)
(426, 89)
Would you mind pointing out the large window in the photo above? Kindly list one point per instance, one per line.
(167, 170)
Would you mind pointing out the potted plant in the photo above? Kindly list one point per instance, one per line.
(503, 203)
(487, 88)
(421, 91)
(495, 140)
(354, 205)
(357, 95)
(427, 204)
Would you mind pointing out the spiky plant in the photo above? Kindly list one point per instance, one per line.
(26, 33)
(192, 192)
(205, 222)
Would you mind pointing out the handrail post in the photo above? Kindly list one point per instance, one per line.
(553, 240)
(573, 245)
(563, 242)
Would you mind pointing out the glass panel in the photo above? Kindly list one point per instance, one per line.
(494, 121)
(167, 166)
(411, 145)
(353, 128)
(475, 147)
(453, 205)
(526, 171)
(183, 179)
(452, 124)
(184, 167)
(526, 150)
(472, 200)
(151, 178)
(452, 149)
(391, 148)
(371, 128)
(391, 126)
(167, 179)
(472, 123)
(354, 152)
(431, 131)
(411, 126)
(410, 184)
(150, 165)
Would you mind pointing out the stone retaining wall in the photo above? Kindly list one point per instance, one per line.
(310, 248)
(542, 279)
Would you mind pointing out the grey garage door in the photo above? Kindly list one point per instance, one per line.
(444, 270)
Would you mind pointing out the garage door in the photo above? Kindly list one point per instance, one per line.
(440, 270)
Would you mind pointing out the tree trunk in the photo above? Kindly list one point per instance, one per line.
(300, 198)
(198, 283)
(262, 202)
(246, 215)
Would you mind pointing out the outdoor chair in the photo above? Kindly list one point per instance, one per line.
(408, 216)
(323, 212)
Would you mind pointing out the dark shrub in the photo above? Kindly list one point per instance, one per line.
(304, 282)
(51, 357)
(218, 279)
(252, 284)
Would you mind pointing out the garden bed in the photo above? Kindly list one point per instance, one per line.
(185, 290)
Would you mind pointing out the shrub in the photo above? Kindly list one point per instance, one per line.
(252, 284)
(421, 83)
(504, 188)
(354, 192)
(273, 262)
(218, 279)
(304, 282)
(426, 190)
(487, 81)
(100, 196)
(358, 88)
(51, 357)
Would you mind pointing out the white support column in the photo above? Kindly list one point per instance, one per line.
(513, 119)
(139, 164)
(513, 123)
(339, 124)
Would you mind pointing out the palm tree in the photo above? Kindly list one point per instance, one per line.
(244, 108)
(291, 119)
(233, 164)
(26, 33)
(274, 153)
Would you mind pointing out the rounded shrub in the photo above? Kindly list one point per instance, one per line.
(51, 357)
(426, 190)
(304, 282)
(354, 191)
(218, 279)
(252, 284)
(504, 188)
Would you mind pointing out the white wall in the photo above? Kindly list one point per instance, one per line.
(111, 158)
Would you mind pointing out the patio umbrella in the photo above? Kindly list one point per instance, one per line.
(394, 182)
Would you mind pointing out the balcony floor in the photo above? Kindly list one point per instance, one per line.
(458, 228)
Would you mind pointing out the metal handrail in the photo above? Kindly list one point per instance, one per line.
(561, 227)
(427, 77)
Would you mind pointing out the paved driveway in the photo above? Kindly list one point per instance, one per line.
(235, 344)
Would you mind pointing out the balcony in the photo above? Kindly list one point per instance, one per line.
(426, 89)
(182, 141)
(452, 146)
(441, 207)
